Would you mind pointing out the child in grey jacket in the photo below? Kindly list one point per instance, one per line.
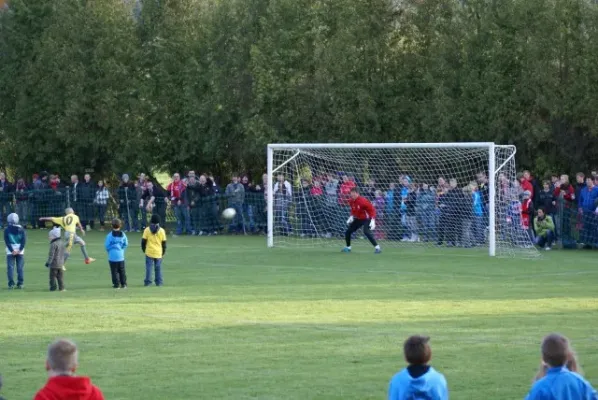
(56, 260)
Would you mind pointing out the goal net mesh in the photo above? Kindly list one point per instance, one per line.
(424, 197)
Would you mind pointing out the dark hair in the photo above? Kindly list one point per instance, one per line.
(155, 219)
(354, 190)
(572, 365)
(417, 350)
(555, 350)
(541, 209)
(116, 224)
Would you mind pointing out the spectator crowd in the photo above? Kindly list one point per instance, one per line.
(445, 211)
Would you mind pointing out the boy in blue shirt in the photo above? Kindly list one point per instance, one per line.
(15, 239)
(559, 383)
(418, 380)
(115, 244)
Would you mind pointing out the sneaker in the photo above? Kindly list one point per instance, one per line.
(548, 248)
(147, 284)
(89, 260)
(123, 287)
(346, 250)
(115, 287)
(11, 287)
(19, 287)
(62, 290)
(377, 251)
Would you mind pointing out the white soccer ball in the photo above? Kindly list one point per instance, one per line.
(229, 213)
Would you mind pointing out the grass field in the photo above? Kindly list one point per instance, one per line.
(237, 321)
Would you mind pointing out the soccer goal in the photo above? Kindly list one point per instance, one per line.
(425, 195)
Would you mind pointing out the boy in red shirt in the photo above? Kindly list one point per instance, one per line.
(363, 214)
(62, 383)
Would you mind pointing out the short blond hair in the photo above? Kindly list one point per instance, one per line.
(63, 356)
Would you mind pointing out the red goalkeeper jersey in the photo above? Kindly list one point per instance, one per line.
(361, 208)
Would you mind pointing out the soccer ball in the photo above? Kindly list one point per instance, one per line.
(229, 213)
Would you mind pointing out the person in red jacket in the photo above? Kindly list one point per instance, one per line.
(363, 214)
(566, 192)
(565, 202)
(526, 185)
(61, 364)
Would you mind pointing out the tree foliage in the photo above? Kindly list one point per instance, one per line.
(206, 84)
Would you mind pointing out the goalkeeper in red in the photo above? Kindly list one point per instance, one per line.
(363, 214)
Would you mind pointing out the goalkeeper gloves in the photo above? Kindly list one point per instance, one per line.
(350, 220)
(372, 224)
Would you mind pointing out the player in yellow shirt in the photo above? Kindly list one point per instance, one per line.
(70, 222)
(153, 244)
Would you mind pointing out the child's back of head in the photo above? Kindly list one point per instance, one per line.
(116, 224)
(417, 350)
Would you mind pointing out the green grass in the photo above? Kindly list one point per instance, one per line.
(238, 321)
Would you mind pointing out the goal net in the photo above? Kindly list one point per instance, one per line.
(463, 195)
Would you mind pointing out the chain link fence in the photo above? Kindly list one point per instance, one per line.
(96, 211)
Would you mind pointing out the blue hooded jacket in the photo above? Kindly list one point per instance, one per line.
(115, 244)
(430, 386)
(562, 384)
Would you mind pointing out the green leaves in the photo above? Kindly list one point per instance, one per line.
(206, 84)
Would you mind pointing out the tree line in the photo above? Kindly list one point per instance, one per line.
(146, 85)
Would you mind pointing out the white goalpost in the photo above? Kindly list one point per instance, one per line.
(425, 194)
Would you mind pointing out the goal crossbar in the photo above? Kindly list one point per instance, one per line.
(465, 145)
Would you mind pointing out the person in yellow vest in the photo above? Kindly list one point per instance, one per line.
(153, 244)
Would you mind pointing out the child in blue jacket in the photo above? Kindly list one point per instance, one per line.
(116, 244)
(559, 383)
(419, 380)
